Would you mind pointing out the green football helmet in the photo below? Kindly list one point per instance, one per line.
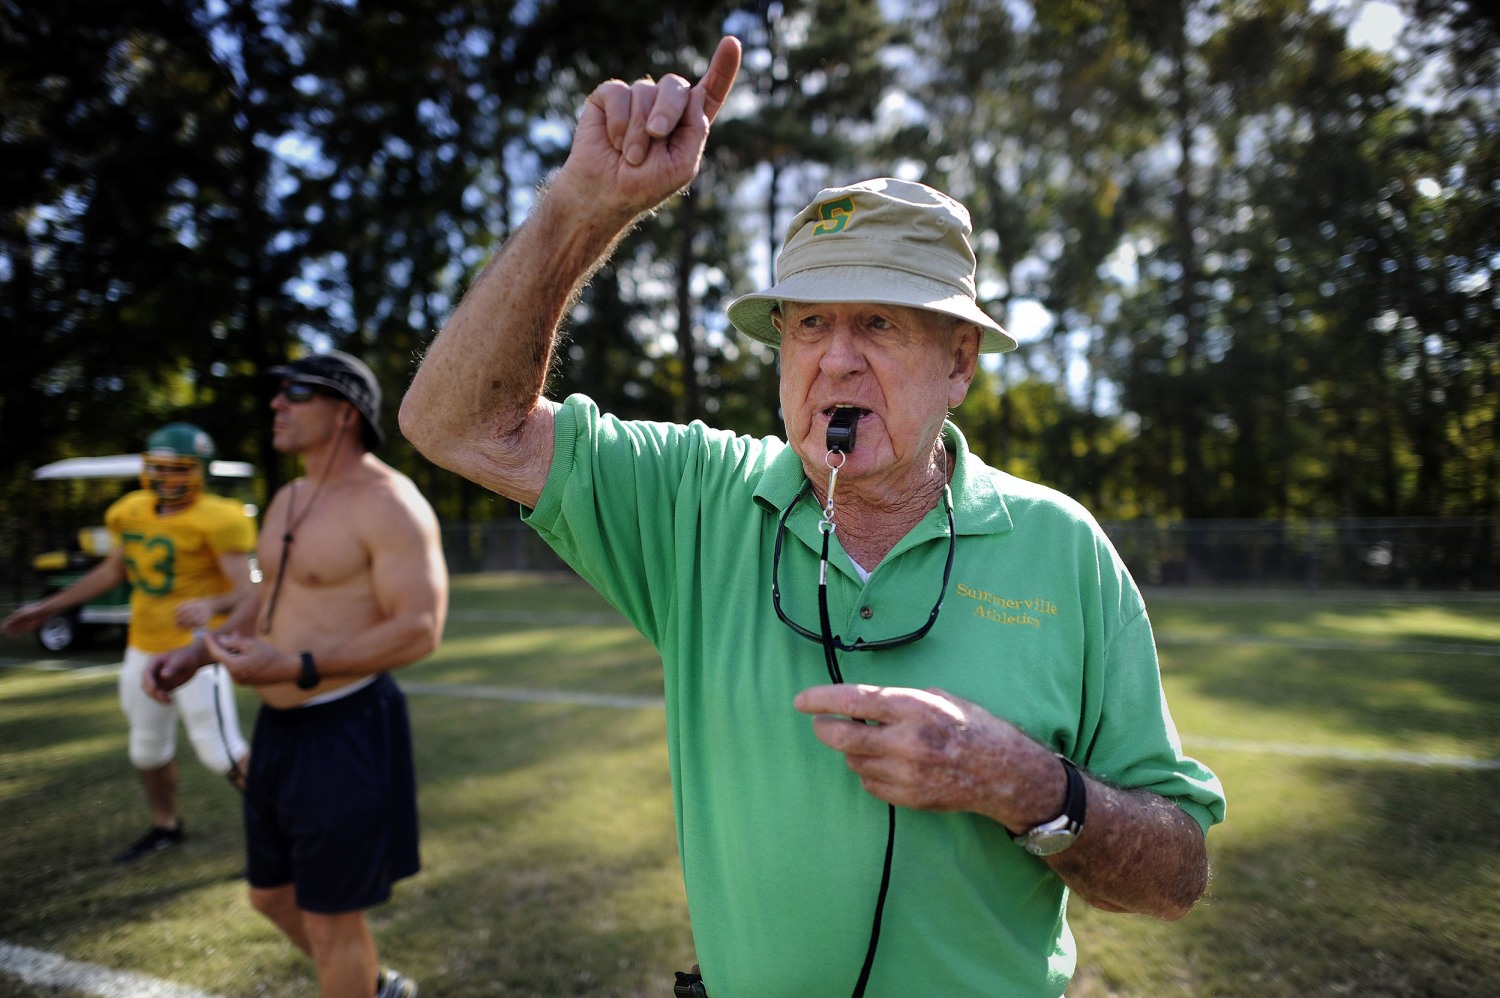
(175, 462)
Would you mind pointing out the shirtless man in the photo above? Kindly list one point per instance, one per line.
(354, 587)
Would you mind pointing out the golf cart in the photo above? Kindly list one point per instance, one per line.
(87, 546)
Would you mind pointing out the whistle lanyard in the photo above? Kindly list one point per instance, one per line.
(826, 527)
(832, 644)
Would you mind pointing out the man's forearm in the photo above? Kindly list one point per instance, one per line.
(485, 371)
(95, 583)
(391, 644)
(475, 406)
(1138, 852)
(244, 614)
(224, 602)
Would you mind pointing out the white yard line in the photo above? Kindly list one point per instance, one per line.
(583, 698)
(521, 694)
(1343, 754)
(49, 970)
(524, 695)
(1331, 644)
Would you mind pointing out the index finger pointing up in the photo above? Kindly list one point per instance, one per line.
(722, 70)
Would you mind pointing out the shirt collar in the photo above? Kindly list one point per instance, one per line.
(978, 506)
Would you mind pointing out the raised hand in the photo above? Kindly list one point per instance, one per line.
(638, 143)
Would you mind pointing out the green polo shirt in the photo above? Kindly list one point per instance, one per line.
(781, 847)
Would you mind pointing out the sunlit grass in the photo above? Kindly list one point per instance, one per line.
(1392, 701)
(549, 853)
(1371, 619)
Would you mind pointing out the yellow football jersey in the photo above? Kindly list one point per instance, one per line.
(174, 558)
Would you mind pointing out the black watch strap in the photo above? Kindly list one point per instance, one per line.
(1058, 834)
(308, 677)
(1076, 804)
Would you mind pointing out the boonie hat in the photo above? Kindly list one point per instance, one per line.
(890, 241)
(346, 375)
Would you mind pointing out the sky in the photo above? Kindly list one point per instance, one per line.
(1374, 26)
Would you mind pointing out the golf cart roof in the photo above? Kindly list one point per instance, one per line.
(128, 466)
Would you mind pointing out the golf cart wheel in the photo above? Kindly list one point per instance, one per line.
(59, 632)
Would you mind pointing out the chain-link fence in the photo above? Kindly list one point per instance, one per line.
(497, 546)
(1452, 554)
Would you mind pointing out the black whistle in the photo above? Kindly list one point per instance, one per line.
(841, 428)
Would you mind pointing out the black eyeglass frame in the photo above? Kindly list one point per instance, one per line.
(860, 644)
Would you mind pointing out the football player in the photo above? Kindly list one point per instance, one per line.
(186, 554)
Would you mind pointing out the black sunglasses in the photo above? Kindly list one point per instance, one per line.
(297, 392)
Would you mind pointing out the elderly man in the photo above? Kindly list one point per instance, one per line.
(994, 734)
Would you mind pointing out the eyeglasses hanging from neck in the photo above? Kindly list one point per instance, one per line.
(832, 642)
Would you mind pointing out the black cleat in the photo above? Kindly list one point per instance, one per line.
(153, 841)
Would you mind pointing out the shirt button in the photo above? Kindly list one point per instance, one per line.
(866, 612)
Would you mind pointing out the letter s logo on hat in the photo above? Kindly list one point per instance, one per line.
(835, 215)
(911, 247)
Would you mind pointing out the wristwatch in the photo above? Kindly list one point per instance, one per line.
(308, 677)
(1052, 837)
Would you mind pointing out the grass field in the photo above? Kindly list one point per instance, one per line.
(1358, 738)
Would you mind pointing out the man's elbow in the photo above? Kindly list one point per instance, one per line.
(418, 427)
(1192, 892)
(1168, 901)
(1166, 909)
(430, 641)
(1182, 896)
(426, 636)
(1174, 908)
(1178, 892)
(442, 434)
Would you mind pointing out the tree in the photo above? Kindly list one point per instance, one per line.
(118, 183)
(1272, 256)
(1038, 120)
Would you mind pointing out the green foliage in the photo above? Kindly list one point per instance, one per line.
(1266, 260)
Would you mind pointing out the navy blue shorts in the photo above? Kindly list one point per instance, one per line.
(331, 801)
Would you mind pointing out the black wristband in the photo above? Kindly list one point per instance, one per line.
(308, 678)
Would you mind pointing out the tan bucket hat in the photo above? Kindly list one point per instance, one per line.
(890, 241)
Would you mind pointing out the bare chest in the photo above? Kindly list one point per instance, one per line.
(315, 548)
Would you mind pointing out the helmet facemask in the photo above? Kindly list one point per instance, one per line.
(175, 480)
(175, 463)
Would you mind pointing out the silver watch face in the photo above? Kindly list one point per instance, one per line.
(1047, 841)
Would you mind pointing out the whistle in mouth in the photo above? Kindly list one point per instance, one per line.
(841, 428)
